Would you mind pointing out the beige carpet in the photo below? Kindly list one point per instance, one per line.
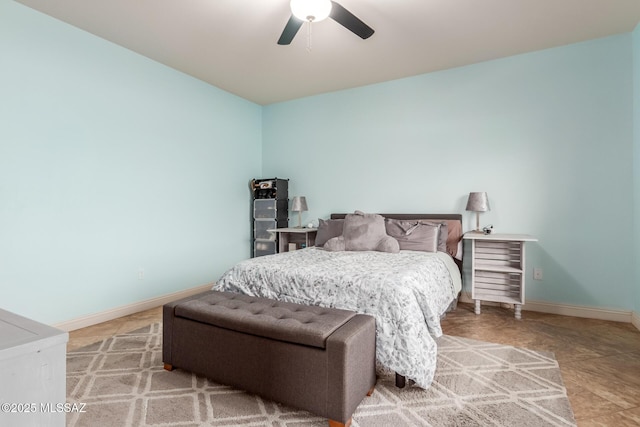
(122, 382)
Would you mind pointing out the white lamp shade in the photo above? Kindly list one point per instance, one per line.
(311, 10)
(299, 204)
(478, 202)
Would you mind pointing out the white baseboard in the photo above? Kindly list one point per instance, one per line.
(635, 319)
(125, 310)
(572, 310)
(579, 311)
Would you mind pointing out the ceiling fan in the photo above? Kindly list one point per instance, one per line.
(317, 10)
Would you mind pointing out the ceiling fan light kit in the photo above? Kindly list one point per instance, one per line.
(317, 10)
(311, 10)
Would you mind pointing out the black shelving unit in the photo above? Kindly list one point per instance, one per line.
(270, 209)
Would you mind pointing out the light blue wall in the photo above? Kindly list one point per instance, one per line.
(636, 162)
(111, 163)
(547, 134)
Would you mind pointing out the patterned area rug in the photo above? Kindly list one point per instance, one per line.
(122, 382)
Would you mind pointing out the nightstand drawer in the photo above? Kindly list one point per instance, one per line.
(498, 254)
(497, 286)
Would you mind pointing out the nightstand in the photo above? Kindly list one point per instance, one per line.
(498, 268)
(295, 238)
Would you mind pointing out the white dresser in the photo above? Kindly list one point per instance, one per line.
(32, 372)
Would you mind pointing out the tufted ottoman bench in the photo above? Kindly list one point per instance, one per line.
(318, 359)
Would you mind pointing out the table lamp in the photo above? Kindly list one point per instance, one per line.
(478, 202)
(299, 204)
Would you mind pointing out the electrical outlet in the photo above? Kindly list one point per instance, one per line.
(141, 273)
(537, 273)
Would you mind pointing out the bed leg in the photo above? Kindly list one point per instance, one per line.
(168, 367)
(401, 381)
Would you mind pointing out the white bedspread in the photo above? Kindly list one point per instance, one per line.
(406, 293)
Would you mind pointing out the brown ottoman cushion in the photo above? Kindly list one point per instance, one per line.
(267, 318)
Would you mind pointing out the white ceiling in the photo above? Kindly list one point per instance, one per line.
(232, 43)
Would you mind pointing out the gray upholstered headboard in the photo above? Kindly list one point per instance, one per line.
(457, 217)
(444, 217)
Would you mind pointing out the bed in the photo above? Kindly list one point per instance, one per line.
(407, 292)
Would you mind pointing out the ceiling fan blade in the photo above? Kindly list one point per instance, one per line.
(290, 30)
(348, 20)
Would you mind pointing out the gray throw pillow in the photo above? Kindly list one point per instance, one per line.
(415, 235)
(443, 235)
(328, 229)
(363, 232)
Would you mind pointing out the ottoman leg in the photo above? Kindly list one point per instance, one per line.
(333, 423)
(339, 424)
